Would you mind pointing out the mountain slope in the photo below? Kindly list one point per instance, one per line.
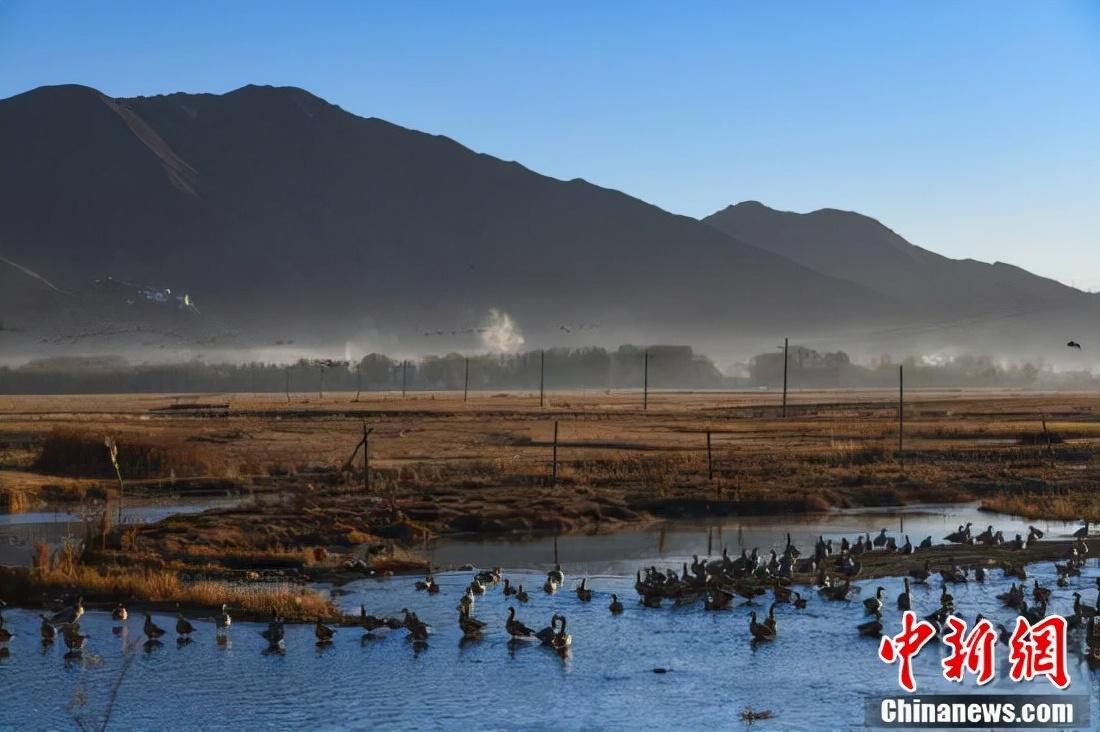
(857, 248)
(288, 216)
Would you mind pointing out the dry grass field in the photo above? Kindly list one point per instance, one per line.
(440, 465)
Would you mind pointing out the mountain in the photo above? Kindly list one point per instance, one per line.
(964, 300)
(283, 217)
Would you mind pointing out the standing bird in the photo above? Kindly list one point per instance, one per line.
(471, 626)
(49, 632)
(904, 599)
(224, 620)
(515, 628)
(74, 641)
(1082, 532)
(274, 633)
(69, 614)
(184, 629)
(152, 632)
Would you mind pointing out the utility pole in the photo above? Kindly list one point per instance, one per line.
(645, 383)
(366, 457)
(542, 378)
(404, 376)
(321, 389)
(785, 377)
(358, 381)
(286, 373)
(554, 457)
(466, 382)
(710, 462)
(901, 414)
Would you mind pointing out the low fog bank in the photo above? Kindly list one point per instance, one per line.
(669, 367)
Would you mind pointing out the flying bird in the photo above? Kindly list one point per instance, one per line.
(1074, 344)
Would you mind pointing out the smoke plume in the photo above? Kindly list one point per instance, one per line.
(501, 334)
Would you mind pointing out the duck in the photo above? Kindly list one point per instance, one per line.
(184, 629)
(583, 593)
(521, 594)
(873, 605)
(515, 628)
(224, 620)
(49, 632)
(471, 627)
(508, 589)
(323, 633)
(119, 614)
(616, 607)
(152, 632)
(760, 631)
(905, 600)
(872, 627)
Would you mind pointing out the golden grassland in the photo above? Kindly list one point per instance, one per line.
(443, 465)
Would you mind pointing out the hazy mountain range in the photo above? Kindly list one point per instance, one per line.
(283, 218)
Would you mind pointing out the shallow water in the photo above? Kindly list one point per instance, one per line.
(19, 532)
(674, 542)
(813, 677)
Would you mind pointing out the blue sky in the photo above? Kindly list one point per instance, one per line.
(971, 128)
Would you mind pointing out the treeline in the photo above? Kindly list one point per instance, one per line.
(669, 367)
(809, 369)
(586, 368)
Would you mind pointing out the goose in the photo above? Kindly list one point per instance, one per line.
(74, 640)
(616, 607)
(550, 587)
(561, 640)
(1033, 535)
(1040, 594)
(547, 634)
(926, 544)
(904, 599)
(369, 622)
(49, 632)
(583, 593)
(184, 629)
(1082, 532)
(467, 600)
(515, 628)
(476, 587)
(880, 540)
(947, 600)
(782, 593)
(986, 537)
(1080, 609)
(323, 633)
(418, 631)
(873, 605)
(521, 594)
(471, 626)
(556, 575)
(508, 589)
(716, 598)
(979, 573)
(274, 633)
(907, 547)
(152, 632)
(5, 634)
(922, 575)
(770, 620)
(69, 614)
(799, 601)
(223, 621)
(489, 576)
(760, 631)
(119, 614)
(960, 536)
(836, 592)
(872, 627)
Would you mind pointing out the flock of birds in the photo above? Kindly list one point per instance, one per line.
(715, 582)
